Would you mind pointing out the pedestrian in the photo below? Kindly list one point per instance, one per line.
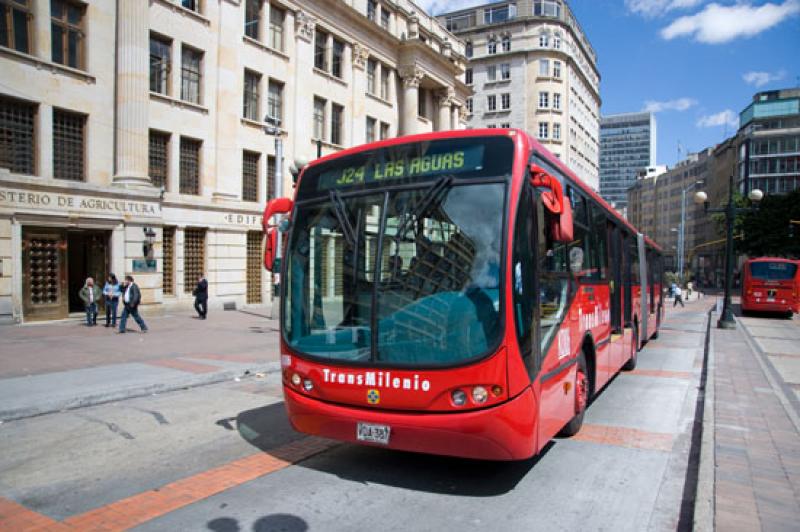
(131, 298)
(200, 294)
(678, 296)
(90, 295)
(112, 293)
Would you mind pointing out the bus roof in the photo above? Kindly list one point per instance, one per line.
(771, 259)
(460, 133)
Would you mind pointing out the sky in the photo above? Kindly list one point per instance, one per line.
(695, 63)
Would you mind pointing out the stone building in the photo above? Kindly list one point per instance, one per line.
(654, 206)
(132, 133)
(532, 67)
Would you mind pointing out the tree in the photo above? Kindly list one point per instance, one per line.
(768, 231)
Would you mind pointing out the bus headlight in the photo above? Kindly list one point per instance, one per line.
(459, 397)
(308, 385)
(296, 379)
(479, 394)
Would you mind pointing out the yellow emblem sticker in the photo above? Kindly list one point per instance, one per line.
(373, 397)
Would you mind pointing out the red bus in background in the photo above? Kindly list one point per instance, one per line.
(772, 285)
(458, 293)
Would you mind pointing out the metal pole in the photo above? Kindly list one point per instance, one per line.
(681, 244)
(726, 321)
(276, 276)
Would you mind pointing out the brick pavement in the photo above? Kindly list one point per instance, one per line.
(756, 444)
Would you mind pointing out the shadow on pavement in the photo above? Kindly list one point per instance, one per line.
(268, 427)
(265, 428)
(268, 523)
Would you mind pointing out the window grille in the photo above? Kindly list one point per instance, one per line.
(254, 239)
(250, 162)
(158, 157)
(68, 145)
(194, 257)
(270, 177)
(17, 136)
(190, 166)
(168, 274)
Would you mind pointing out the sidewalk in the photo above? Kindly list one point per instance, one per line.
(56, 366)
(756, 437)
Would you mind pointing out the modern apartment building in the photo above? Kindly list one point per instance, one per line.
(132, 133)
(769, 142)
(627, 148)
(532, 67)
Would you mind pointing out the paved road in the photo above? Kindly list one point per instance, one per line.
(222, 457)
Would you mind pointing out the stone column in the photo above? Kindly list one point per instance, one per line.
(132, 74)
(42, 42)
(360, 54)
(304, 91)
(444, 98)
(455, 123)
(411, 77)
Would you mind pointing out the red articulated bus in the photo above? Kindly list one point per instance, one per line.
(458, 293)
(771, 285)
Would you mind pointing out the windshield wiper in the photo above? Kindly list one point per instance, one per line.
(432, 195)
(340, 210)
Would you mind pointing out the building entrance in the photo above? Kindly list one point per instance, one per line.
(55, 264)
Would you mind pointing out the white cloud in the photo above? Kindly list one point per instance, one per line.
(718, 24)
(681, 104)
(759, 79)
(655, 8)
(723, 118)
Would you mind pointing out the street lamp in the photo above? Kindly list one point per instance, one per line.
(682, 236)
(726, 321)
(272, 127)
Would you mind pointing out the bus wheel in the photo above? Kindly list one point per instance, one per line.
(581, 398)
(630, 365)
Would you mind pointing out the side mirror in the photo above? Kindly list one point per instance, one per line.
(554, 201)
(270, 248)
(275, 206)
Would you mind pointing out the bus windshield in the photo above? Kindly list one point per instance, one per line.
(404, 270)
(773, 271)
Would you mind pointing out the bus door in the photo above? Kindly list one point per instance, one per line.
(629, 293)
(616, 289)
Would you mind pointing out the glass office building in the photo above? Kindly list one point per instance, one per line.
(627, 147)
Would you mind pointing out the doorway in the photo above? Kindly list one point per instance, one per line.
(55, 264)
(87, 256)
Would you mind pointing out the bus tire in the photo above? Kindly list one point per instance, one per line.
(630, 365)
(581, 398)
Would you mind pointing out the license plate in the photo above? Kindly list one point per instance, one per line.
(770, 300)
(372, 433)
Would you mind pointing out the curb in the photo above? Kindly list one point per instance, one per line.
(95, 399)
(704, 496)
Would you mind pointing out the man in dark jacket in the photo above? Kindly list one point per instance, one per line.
(131, 297)
(201, 297)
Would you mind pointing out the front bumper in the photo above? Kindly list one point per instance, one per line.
(501, 432)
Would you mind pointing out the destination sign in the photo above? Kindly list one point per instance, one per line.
(388, 168)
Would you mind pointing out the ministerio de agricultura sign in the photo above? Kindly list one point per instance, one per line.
(77, 203)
